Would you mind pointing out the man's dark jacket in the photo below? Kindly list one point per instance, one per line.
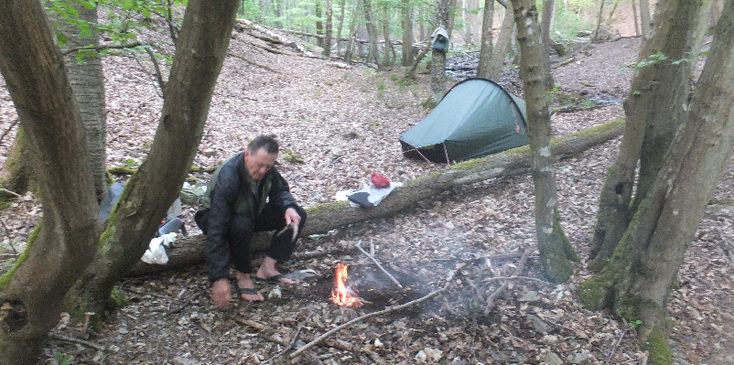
(230, 191)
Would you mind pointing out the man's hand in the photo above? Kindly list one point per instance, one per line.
(221, 293)
(292, 216)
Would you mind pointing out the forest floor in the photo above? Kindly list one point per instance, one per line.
(344, 123)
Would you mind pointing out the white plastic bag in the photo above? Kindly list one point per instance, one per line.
(156, 252)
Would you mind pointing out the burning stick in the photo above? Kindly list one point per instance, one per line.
(293, 226)
(380, 266)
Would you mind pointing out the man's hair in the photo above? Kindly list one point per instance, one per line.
(262, 141)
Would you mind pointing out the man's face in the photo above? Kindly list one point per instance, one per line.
(259, 163)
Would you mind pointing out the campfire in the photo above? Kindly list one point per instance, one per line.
(342, 294)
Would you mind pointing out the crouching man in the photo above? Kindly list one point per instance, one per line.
(245, 195)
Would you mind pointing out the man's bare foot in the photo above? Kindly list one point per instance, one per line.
(246, 288)
(268, 272)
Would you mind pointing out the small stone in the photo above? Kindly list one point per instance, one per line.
(421, 356)
(538, 324)
(531, 296)
(579, 359)
(553, 359)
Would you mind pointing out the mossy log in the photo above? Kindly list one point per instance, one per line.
(328, 216)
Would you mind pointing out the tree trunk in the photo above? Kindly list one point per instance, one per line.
(555, 248)
(386, 34)
(328, 32)
(348, 52)
(340, 27)
(205, 34)
(438, 59)
(407, 33)
(653, 109)
(87, 81)
(325, 217)
(31, 294)
(17, 174)
(371, 30)
(319, 23)
(485, 48)
(635, 17)
(497, 61)
(638, 281)
(548, 12)
(467, 32)
(645, 18)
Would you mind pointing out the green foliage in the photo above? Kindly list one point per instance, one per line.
(250, 9)
(119, 298)
(570, 22)
(62, 358)
(636, 323)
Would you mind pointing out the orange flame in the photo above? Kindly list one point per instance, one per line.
(343, 295)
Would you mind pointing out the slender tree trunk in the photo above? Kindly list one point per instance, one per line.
(31, 294)
(342, 6)
(555, 248)
(635, 17)
(87, 81)
(504, 41)
(599, 20)
(406, 11)
(329, 29)
(319, 23)
(653, 110)
(348, 52)
(638, 281)
(371, 30)
(205, 34)
(386, 34)
(438, 60)
(485, 49)
(645, 18)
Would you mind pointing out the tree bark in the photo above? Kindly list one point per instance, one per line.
(325, 217)
(485, 48)
(504, 40)
(31, 294)
(386, 34)
(405, 12)
(87, 81)
(438, 57)
(203, 41)
(371, 31)
(654, 111)
(340, 27)
(329, 30)
(17, 173)
(348, 52)
(555, 248)
(638, 281)
(645, 18)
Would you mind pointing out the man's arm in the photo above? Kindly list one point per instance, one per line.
(223, 200)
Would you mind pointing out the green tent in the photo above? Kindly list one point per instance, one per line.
(476, 118)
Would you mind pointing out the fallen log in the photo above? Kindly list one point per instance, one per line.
(325, 217)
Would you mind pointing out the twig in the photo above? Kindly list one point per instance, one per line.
(11, 192)
(358, 319)
(12, 124)
(158, 74)
(185, 304)
(380, 266)
(61, 337)
(518, 271)
(293, 341)
(100, 48)
(614, 348)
